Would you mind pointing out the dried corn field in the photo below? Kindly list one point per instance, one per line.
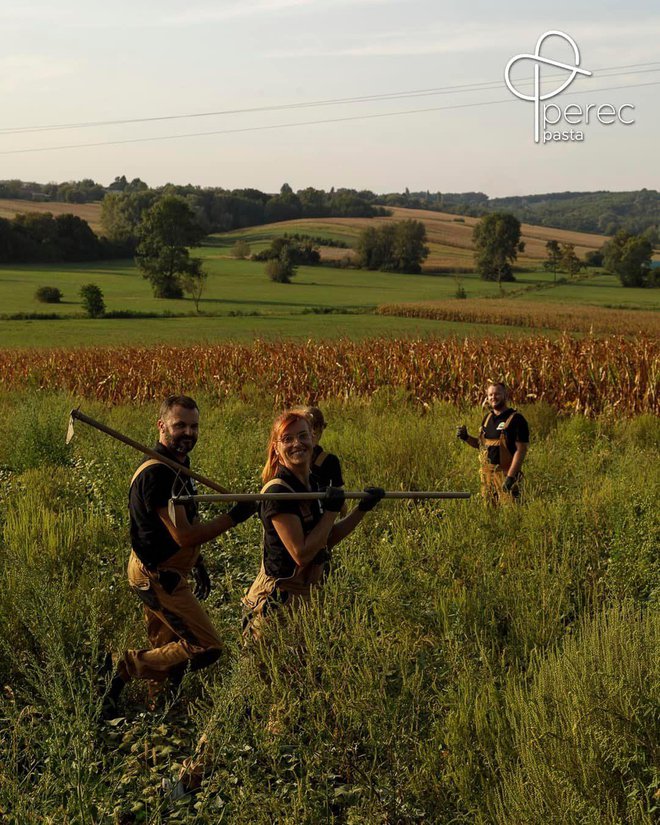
(574, 376)
(565, 317)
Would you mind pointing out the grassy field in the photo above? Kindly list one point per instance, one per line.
(266, 309)
(245, 304)
(461, 665)
(194, 330)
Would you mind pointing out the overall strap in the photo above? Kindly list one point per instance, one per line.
(149, 463)
(509, 420)
(320, 458)
(483, 442)
(485, 421)
(275, 481)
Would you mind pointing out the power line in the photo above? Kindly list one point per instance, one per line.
(303, 123)
(638, 68)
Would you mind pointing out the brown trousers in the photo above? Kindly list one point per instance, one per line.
(178, 628)
(492, 481)
(268, 595)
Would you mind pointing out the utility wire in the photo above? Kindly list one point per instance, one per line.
(638, 68)
(303, 123)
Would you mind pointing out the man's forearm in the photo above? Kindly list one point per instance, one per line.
(204, 531)
(473, 441)
(517, 462)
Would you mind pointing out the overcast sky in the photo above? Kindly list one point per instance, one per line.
(76, 61)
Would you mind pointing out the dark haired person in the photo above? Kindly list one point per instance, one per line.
(502, 441)
(164, 555)
(326, 467)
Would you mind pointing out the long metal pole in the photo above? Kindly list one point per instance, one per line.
(179, 468)
(358, 495)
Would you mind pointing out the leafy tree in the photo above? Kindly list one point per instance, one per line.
(92, 300)
(194, 281)
(570, 262)
(48, 295)
(629, 257)
(282, 268)
(165, 232)
(121, 214)
(241, 249)
(283, 207)
(553, 251)
(409, 246)
(301, 252)
(497, 243)
(594, 257)
(393, 247)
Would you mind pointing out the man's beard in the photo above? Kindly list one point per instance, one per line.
(180, 444)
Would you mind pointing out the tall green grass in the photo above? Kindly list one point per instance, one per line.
(462, 664)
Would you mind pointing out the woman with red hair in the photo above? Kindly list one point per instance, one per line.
(297, 538)
(297, 534)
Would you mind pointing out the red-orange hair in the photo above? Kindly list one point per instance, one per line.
(280, 424)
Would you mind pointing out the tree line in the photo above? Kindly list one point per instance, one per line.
(38, 237)
(603, 212)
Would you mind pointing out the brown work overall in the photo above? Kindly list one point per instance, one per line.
(493, 475)
(178, 629)
(267, 592)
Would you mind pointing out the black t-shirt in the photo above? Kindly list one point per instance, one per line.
(328, 474)
(152, 489)
(277, 560)
(518, 430)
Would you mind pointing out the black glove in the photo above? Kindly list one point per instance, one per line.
(334, 500)
(375, 495)
(509, 483)
(462, 433)
(242, 511)
(202, 581)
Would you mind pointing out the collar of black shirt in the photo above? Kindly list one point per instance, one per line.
(292, 480)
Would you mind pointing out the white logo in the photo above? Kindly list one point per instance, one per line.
(551, 114)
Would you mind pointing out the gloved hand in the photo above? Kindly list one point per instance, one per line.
(509, 482)
(375, 495)
(334, 500)
(462, 433)
(242, 511)
(202, 580)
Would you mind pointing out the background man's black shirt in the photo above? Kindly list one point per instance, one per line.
(329, 473)
(152, 489)
(518, 430)
(277, 560)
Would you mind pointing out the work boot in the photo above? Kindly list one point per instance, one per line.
(111, 698)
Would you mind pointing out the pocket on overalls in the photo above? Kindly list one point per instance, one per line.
(168, 580)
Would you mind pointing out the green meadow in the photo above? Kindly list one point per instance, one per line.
(461, 665)
(241, 303)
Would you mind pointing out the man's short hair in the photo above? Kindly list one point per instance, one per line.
(171, 401)
(498, 384)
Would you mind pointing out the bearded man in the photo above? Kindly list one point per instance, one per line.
(165, 555)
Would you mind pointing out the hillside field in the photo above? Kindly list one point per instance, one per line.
(90, 212)
(449, 237)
